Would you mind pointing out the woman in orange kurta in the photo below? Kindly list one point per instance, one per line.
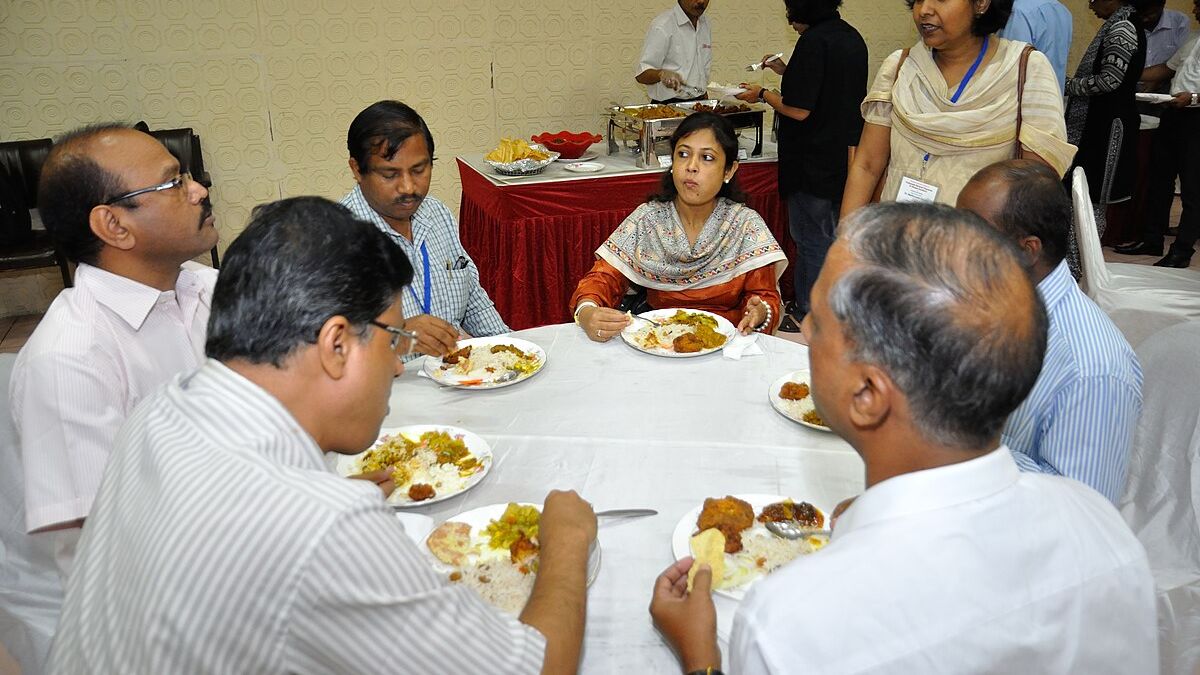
(695, 246)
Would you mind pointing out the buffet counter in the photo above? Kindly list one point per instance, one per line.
(534, 237)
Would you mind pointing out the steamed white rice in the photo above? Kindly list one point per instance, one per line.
(761, 554)
(505, 588)
(485, 365)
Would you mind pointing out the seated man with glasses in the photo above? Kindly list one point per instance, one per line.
(220, 542)
(391, 158)
(117, 205)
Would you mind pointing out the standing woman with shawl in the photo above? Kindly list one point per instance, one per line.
(947, 107)
(1102, 91)
(693, 246)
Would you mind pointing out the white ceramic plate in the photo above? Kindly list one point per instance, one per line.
(584, 167)
(1153, 98)
(806, 404)
(433, 366)
(349, 465)
(723, 91)
(588, 154)
(479, 518)
(633, 330)
(681, 538)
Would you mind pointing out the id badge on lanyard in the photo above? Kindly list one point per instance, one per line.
(426, 304)
(917, 189)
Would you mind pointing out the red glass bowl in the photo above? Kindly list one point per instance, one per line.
(568, 144)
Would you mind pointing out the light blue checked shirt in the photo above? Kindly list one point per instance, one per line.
(455, 294)
(1045, 24)
(1078, 420)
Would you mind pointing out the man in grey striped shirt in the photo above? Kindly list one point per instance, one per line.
(220, 543)
(1078, 420)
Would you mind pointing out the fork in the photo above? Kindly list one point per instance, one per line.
(652, 322)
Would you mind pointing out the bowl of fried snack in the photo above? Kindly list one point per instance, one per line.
(515, 157)
(568, 144)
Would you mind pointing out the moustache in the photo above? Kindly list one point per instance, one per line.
(205, 212)
(407, 198)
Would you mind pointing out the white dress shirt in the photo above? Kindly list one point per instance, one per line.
(99, 350)
(975, 567)
(221, 543)
(1186, 64)
(673, 43)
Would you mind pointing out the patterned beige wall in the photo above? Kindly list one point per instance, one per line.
(271, 85)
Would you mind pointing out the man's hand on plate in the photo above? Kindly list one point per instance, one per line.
(839, 510)
(381, 477)
(688, 621)
(670, 79)
(1182, 100)
(435, 337)
(567, 519)
(751, 93)
(602, 324)
(754, 316)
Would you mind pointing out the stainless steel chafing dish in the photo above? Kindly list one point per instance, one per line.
(650, 131)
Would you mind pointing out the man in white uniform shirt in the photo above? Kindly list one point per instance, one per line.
(677, 54)
(925, 333)
(220, 541)
(116, 203)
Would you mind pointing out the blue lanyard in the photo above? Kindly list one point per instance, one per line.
(425, 306)
(967, 78)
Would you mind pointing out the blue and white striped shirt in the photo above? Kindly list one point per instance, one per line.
(455, 294)
(1078, 420)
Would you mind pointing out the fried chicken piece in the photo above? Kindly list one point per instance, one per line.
(803, 513)
(522, 550)
(419, 492)
(454, 357)
(793, 391)
(687, 343)
(730, 515)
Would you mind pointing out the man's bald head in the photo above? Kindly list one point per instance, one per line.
(1023, 198)
(941, 302)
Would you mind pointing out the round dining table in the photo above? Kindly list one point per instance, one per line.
(626, 429)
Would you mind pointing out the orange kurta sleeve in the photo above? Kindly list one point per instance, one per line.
(603, 285)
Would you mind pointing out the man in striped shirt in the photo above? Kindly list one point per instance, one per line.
(1079, 419)
(221, 543)
(391, 157)
(116, 204)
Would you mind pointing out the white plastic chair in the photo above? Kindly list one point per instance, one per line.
(1140, 299)
(30, 588)
(1161, 502)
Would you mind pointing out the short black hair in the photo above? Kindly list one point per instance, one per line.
(1037, 205)
(71, 185)
(299, 262)
(995, 18)
(941, 302)
(726, 137)
(381, 129)
(810, 12)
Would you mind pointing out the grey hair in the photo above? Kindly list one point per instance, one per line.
(941, 302)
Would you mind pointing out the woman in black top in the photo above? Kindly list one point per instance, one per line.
(819, 125)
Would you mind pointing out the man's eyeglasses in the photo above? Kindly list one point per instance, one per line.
(398, 336)
(175, 182)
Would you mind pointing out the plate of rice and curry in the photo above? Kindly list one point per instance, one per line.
(730, 534)
(791, 396)
(494, 551)
(681, 333)
(429, 463)
(486, 363)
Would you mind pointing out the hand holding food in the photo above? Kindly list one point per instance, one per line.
(602, 324)
(754, 316)
(751, 93)
(1182, 100)
(687, 619)
(670, 79)
(380, 477)
(513, 149)
(435, 336)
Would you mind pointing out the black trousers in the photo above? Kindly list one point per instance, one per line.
(1176, 152)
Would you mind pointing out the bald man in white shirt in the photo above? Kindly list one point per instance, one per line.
(117, 205)
(925, 332)
(677, 54)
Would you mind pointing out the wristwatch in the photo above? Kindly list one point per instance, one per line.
(762, 95)
(1195, 96)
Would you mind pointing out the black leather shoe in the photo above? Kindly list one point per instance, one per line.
(1139, 248)
(1175, 259)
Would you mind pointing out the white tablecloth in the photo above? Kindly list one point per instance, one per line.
(627, 429)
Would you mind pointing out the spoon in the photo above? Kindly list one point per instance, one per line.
(790, 529)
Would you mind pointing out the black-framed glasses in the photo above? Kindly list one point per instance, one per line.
(175, 182)
(398, 334)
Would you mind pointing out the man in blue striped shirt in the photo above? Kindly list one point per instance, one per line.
(391, 157)
(1079, 419)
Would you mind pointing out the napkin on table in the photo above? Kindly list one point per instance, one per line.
(742, 345)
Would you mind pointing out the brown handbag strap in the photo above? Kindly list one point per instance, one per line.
(1021, 95)
(903, 58)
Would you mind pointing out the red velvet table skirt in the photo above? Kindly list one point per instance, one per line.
(533, 243)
